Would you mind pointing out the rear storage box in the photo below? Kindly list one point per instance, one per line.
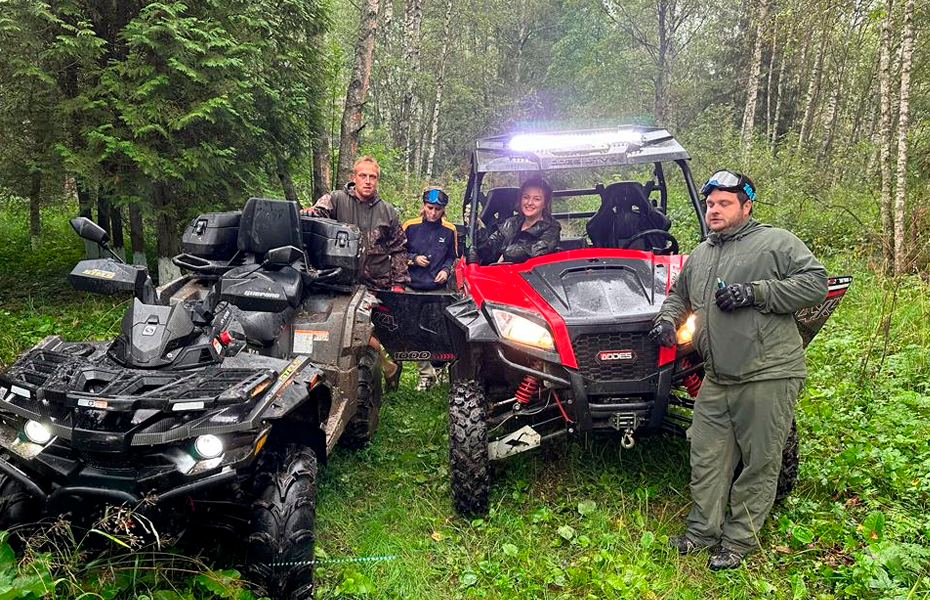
(212, 235)
(333, 244)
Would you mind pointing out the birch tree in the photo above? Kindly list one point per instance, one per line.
(440, 84)
(884, 164)
(352, 117)
(752, 87)
(907, 49)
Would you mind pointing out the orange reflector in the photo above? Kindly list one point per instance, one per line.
(261, 442)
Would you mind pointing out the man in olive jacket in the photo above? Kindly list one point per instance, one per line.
(385, 254)
(743, 284)
(359, 204)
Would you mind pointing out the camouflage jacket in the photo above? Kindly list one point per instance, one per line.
(385, 262)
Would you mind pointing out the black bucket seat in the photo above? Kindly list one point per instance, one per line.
(265, 225)
(626, 211)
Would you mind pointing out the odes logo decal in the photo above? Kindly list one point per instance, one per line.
(610, 356)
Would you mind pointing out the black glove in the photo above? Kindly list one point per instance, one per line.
(664, 334)
(735, 295)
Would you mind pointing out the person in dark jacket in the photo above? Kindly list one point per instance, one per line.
(743, 285)
(431, 243)
(385, 262)
(359, 204)
(431, 247)
(532, 232)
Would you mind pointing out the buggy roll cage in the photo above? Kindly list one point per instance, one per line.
(619, 146)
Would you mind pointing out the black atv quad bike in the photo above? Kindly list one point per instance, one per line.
(558, 345)
(218, 399)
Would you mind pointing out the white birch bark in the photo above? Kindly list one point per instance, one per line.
(907, 49)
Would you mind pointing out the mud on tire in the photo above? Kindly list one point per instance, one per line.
(789, 464)
(283, 514)
(361, 428)
(469, 464)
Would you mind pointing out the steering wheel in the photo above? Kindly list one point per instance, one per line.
(670, 248)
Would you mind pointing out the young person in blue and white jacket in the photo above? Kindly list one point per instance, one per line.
(431, 247)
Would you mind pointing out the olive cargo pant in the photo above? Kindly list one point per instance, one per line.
(749, 421)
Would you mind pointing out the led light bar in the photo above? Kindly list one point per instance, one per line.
(542, 142)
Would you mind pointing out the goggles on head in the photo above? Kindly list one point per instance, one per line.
(728, 182)
(435, 196)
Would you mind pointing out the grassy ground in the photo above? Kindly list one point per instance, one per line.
(583, 519)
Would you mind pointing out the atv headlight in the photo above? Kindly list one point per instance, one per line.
(37, 433)
(686, 331)
(521, 330)
(208, 446)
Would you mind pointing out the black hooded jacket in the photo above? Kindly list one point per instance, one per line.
(516, 245)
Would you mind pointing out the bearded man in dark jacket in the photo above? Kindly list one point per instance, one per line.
(383, 239)
(743, 285)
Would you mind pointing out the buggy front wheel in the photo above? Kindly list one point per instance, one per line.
(469, 463)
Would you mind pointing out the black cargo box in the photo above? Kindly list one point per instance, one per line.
(212, 235)
(333, 244)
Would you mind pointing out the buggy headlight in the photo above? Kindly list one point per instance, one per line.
(37, 433)
(208, 446)
(521, 330)
(686, 331)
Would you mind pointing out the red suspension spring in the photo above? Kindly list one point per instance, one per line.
(527, 389)
(692, 382)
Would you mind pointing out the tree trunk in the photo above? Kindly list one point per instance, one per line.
(322, 180)
(137, 235)
(408, 109)
(116, 224)
(768, 85)
(779, 94)
(35, 201)
(662, 66)
(284, 176)
(85, 204)
(167, 231)
(884, 161)
(907, 49)
(813, 90)
(103, 210)
(752, 86)
(386, 41)
(437, 102)
(796, 82)
(358, 89)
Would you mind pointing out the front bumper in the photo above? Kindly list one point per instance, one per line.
(57, 471)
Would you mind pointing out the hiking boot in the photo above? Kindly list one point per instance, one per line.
(724, 558)
(425, 383)
(684, 544)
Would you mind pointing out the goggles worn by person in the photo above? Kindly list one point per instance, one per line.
(729, 182)
(435, 196)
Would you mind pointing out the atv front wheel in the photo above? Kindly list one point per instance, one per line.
(789, 464)
(17, 506)
(361, 428)
(469, 464)
(282, 521)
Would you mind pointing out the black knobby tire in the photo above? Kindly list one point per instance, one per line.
(362, 426)
(469, 464)
(790, 459)
(17, 505)
(282, 521)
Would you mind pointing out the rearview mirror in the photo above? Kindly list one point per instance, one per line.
(89, 230)
(283, 255)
